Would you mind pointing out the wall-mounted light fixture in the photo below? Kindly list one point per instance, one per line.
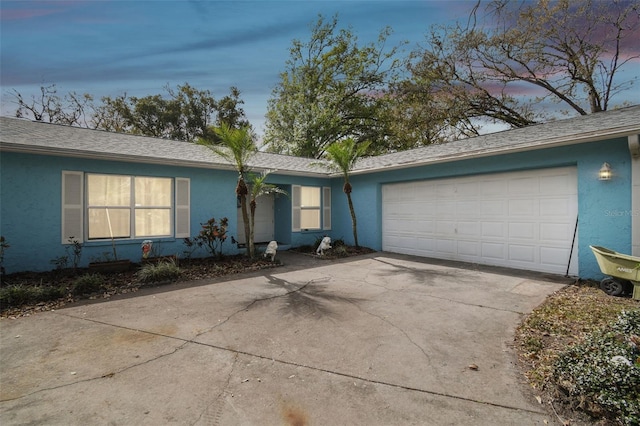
(605, 172)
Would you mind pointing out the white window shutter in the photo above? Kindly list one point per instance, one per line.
(326, 208)
(183, 212)
(296, 191)
(72, 206)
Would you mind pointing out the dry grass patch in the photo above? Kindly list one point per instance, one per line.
(566, 318)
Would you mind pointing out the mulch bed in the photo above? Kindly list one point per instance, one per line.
(128, 282)
(123, 282)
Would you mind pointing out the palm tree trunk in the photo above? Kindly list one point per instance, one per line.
(353, 219)
(245, 219)
(252, 221)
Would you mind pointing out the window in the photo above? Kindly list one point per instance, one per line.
(119, 206)
(311, 207)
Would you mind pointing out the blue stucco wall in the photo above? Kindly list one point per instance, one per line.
(30, 192)
(604, 206)
(283, 213)
(30, 208)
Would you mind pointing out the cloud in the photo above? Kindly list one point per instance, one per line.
(237, 38)
(22, 14)
(26, 10)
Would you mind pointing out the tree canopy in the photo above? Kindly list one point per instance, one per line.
(331, 89)
(521, 63)
(184, 113)
(511, 63)
(508, 63)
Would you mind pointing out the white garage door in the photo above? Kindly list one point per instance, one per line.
(522, 220)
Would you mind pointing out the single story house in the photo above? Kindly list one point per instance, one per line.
(530, 198)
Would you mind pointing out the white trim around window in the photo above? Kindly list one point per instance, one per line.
(311, 208)
(99, 206)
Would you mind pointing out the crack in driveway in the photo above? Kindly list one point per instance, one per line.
(291, 289)
(214, 418)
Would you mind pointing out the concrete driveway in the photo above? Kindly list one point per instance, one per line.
(381, 339)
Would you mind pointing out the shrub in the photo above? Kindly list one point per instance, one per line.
(340, 251)
(87, 283)
(19, 294)
(161, 271)
(604, 370)
(15, 295)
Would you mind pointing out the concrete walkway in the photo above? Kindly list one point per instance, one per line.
(381, 339)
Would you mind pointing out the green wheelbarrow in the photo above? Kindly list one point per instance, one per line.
(623, 271)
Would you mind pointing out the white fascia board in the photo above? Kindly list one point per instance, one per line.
(509, 149)
(92, 155)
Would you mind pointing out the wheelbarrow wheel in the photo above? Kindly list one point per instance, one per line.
(611, 286)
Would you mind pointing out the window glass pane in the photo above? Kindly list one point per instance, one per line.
(153, 192)
(153, 222)
(310, 196)
(110, 213)
(310, 219)
(108, 190)
(108, 222)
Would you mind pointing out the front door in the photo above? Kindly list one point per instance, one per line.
(264, 221)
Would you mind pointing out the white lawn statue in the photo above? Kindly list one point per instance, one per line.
(325, 244)
(271, 250)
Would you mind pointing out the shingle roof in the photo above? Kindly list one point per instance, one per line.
(603, 125)
(52, 139)
(36, 137)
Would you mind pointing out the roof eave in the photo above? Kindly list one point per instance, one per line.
(92, 155)
(550, 143)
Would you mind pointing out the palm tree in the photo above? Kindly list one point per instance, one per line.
(342, 156)
(240, 148)
(258, 188)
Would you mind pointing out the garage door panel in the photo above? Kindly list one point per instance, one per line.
(445, 209)
(493, 187)
(493, 208)
(555, 231)
(408, 227)
(523, 207)
(428, 209)
(523, 186)
(406, 241)
(444, 190)
(492, 250)
(469, 248)
(425, 227)
(518, 219)
(554, 256)
(467, 208)
(522, 230)
(557, 184)
(493, 229)
(446, 246)
(555, 207)
(522, 253)
(467, 229)
(445, 227)
(427, 245)
(465, 189)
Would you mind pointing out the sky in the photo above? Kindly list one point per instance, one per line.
(111, 47)
(137, 47)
